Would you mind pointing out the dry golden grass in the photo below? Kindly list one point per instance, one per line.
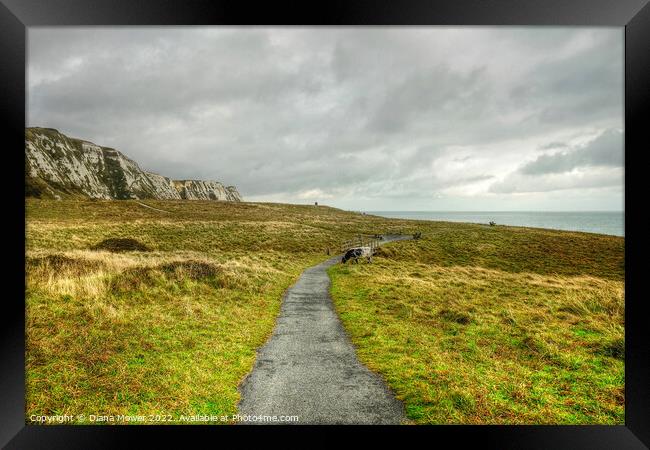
(470, 344)
(116, 334)
(167, 331)
(471, 324)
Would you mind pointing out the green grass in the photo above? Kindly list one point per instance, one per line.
(471, 324)
(173, 328)
(498, 326)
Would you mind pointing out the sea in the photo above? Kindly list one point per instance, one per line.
(602, 222)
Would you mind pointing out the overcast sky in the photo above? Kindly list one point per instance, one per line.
(373, 118)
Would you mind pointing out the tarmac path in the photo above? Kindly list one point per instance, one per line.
(308, 368)
(150, 207)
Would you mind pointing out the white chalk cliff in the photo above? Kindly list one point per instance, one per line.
(57, 166)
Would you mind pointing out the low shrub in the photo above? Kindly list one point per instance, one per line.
(117, 245)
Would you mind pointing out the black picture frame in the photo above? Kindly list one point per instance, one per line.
(633, 15)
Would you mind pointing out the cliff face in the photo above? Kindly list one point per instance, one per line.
(58, 166)
(197, 189)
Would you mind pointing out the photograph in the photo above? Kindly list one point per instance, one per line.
(416, 225)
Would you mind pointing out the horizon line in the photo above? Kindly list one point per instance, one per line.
(495, 210)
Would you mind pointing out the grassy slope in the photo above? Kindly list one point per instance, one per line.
(477, 324)
(462, 324)
(171, 331)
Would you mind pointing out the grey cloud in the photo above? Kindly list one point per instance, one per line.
(520, 183)
(584, 86)
(430, 95)
(345, 111)
(600, 164)
(552, 145)
(605, 150)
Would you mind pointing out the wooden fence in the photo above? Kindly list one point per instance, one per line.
(361, 241)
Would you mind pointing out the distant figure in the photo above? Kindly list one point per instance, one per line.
(315, 203)
(492, 223)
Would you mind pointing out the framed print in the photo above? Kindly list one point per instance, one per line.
(377, 218)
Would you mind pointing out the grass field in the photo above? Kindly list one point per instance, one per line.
(496, 325)
(171, 328)
(471, 324)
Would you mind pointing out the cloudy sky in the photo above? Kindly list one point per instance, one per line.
(372, 118)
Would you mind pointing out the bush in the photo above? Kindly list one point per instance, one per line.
(59, 263)
(191, 269)
(138, 277)
(614, 348)
(454, 315)
(117, 245)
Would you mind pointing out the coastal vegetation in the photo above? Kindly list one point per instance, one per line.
(158, 309)
(141, 311)
(496, 325)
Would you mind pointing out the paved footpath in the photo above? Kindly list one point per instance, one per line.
(308, 367)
